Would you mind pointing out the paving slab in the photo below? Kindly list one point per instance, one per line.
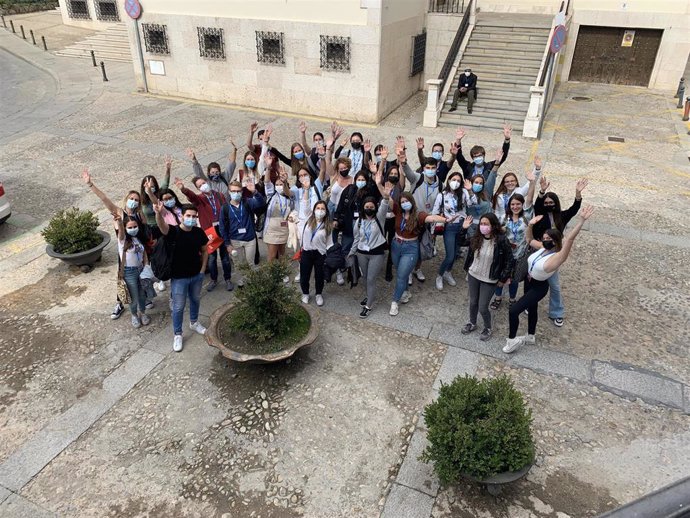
(403, 501)
(16, 506)
(414, 473)
(4, 493)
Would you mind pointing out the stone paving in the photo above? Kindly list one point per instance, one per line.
(337, 431)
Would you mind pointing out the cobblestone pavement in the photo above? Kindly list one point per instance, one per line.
(99, 419)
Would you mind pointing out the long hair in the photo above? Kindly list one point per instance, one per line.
(295, 163)
(311, 222)
(178, 204)
(557, 237)
(412, 219)
(557, 219)
(483, 194)
(138, 211)
(519, 197)
(457, 192)
(143, 197)
(478, 239)
(502, 188)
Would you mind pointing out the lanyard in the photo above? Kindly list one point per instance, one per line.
(514, 227)
(537, 259)
(366, 230)
(426, 186)
(212, 201)
(506, 201)
(283, 208)
(313, 232)
(403, 223)
(239, 220)
(453, 204)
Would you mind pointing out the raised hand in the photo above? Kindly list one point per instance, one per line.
(254, 126)
(378, 177)
(507, 131)
(191, 154)
(420, 143)
(587, 212)
(157, 207)
(454, 148)
(544, 184)
(400, 141)
(338, 131)
(302, 127)
(86, 176)
(321, 151)
(178, 183)
(251, 187)
(232, 143)
(468, 185)
(344, 142)
(538, 162)
(329, 143)
(530, 176)
(334, 128)
(367, 146)
(168, 162)
(148, 184)
(581, 185)
(267, 134)
(535, 220)
(459, 134)
(384, 153)
(467, 223)
(372, 166)
(282, 174)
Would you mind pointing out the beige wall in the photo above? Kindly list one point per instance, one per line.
(440, 33)
(520, 6)
(93, 23)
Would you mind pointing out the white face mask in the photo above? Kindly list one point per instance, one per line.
(454, 184)
(206, 188)
(468, 74)
(319, 214)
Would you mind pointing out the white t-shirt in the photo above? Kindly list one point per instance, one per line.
(535, 265)
(134, 255)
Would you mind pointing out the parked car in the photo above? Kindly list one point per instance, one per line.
(5, 207)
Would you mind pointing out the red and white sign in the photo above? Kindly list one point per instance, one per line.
(133, 9)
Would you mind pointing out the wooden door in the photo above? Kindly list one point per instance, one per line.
(601, 56)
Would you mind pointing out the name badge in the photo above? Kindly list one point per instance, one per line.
(364, 248)
(356, 215)
(389, 215)
(283, 223)
(242, 231)
(428, 207)
(216, 223)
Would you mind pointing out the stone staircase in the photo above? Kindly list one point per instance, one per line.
(505, 51)
(112, 44)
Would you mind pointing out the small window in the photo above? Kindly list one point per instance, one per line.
(335, 53)
(155, 38)
(418, 54)
(78, 9)
(211, 43)
(107, 10)
(269, 48)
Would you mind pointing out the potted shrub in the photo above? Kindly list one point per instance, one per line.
(73, 236)
(479, 429)
(267, 323)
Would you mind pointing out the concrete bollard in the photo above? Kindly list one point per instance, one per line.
(12, 25)
(33, 38)
(93, 58)
(681, 97)
(105, 77)
(45, 46)
(23, 35)
(681, 86)
(4, 23)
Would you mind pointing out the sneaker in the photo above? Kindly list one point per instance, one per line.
(339, 278)
(305, 299)
(198, 328)
(485, 334)
(528, 339)
(364, 302)
(558, 322)
(420, 275)
(450, 280)
(394, 309)
(286, 279)
(145, 319)
(512, 344)
(136, 324)
(409, 280)
(319, 300)
(439, 283)
(149, 305)
(452, 109)
(229, 285)
(365, 312)
(468, 328)
(211, 285)
(240, 283)
(117, 311)
(406, 296)
(177, 343)
(297, 278)
(160, 286)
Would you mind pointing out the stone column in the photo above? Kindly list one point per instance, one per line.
(432, 111)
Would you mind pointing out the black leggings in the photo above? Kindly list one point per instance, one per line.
(534, 292)
(311, 259)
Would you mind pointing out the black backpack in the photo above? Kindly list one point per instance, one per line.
(161, 258)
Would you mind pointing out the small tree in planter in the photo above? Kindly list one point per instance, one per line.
(478, 429)
(72, 231)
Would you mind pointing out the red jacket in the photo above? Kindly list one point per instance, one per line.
(208, 205)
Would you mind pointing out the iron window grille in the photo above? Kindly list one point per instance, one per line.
(447, 6)
(270, 48)
(335, 53)
(155, 38)
(107, 10)
(211, 43)
(418, 54)
(78, 9)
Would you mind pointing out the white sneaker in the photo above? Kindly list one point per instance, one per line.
(305, 299)
(160, 285)
(394, 309)
(319, 300)
(450, 280)
(177, 343)
(240, 283)
(439, 283)
(339, 278)
(409, 280)
(420, 275)
(145, 319)
(406, 296)
(512, 344)
(136, 324)
(286, 279)
(197, 327)
(528, 339)
(297, 278)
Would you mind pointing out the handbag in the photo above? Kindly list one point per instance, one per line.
(122, 289)
(214, 240)
(520, 271)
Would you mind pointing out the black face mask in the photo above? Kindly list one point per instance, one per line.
(548, 245)
(345, 173)
(393, 180)
(356, 145)
(549, 208)
(369, 212)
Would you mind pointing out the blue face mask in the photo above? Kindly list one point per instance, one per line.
(235, 196)
(169, 204)
(132, 204)
(361, 184)
(437, 155)
(189, 222)
(477, 187)
(378, 159)
(429, 173)
(299, 155)
(479, 160)
(250, 164)
(406, 206)
(133, 231)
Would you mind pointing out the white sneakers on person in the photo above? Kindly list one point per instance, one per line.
(286, 279)
(160, 285)
(305, 299)
(297, 278)
(177, 343)
(394, 309)
(136, 324)
(450, 280)
(420, 275)
(198, 328)
(339, 278)
(512, 344)
(240, 283)
(145, 319)
(439, 283)
(528, 339)
(319, 300)
(406, 296)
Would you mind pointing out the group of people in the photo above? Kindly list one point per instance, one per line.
(365, 209)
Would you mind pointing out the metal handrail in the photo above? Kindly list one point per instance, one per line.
(455, 47)
(672, 501)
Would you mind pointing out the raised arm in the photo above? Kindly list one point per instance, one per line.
(86, 177)
(303, 137)
(196, 166)
(168, 169)
(556, 260)
(322, 164)
(420, 151)
(328, 159)
(462, 161)
(507, 133)
(453, 152)
(149, 191)
(232, 162)
(191, 196)
(160, 221)
(250, 138)
(532, 177)
(120, 226)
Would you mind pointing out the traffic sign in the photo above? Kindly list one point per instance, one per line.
(133, 9)
(558, 38)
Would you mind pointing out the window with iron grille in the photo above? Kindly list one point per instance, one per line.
(78, 9)
(335, 53)
(418, 53)
(155, 38)
(107, 10)
(211, 43)
(270, 48)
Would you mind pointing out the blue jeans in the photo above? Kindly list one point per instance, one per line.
(556, 307)
(136, 293)
(224, 260)
(405, 256)
(179, 290)
(449, 237)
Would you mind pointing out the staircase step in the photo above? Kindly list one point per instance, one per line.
(472, 57)
(507, 52)
(101, 56)
(485, 71)
(493, 104)
(493, 94)
(515, 39)
(472, 121)
(501, 45)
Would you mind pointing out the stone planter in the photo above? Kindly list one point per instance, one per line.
(213, 339)
(85, 260)
(495, 484)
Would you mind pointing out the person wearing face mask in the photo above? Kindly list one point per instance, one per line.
(477, 165)
(209, 204)
(356, 153)
(316, 240)
(490, 260)
(281, 202)
(188, 244)
(217, 179)
(548, 205)
(130, 210)
(264, 138)
(132, 259)
(340, 178)
(510, 185)
(249, 172)
(551, 252)
(483, 189)
(395, 184)
(467, 87)
(443, 167)
(452, 204)
(146, 201)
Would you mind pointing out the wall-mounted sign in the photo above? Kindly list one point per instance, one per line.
(133, 9)
(628, 38)
(157, 68)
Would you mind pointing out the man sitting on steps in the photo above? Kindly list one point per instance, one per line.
(467, 86)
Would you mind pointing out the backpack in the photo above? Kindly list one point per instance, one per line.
(161, 258)
(426, 244)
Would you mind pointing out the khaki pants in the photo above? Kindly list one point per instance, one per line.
(471, 97)
(245, 253)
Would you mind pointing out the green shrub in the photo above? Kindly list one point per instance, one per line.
(478, 428)
(72, 231)
(267, 307)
